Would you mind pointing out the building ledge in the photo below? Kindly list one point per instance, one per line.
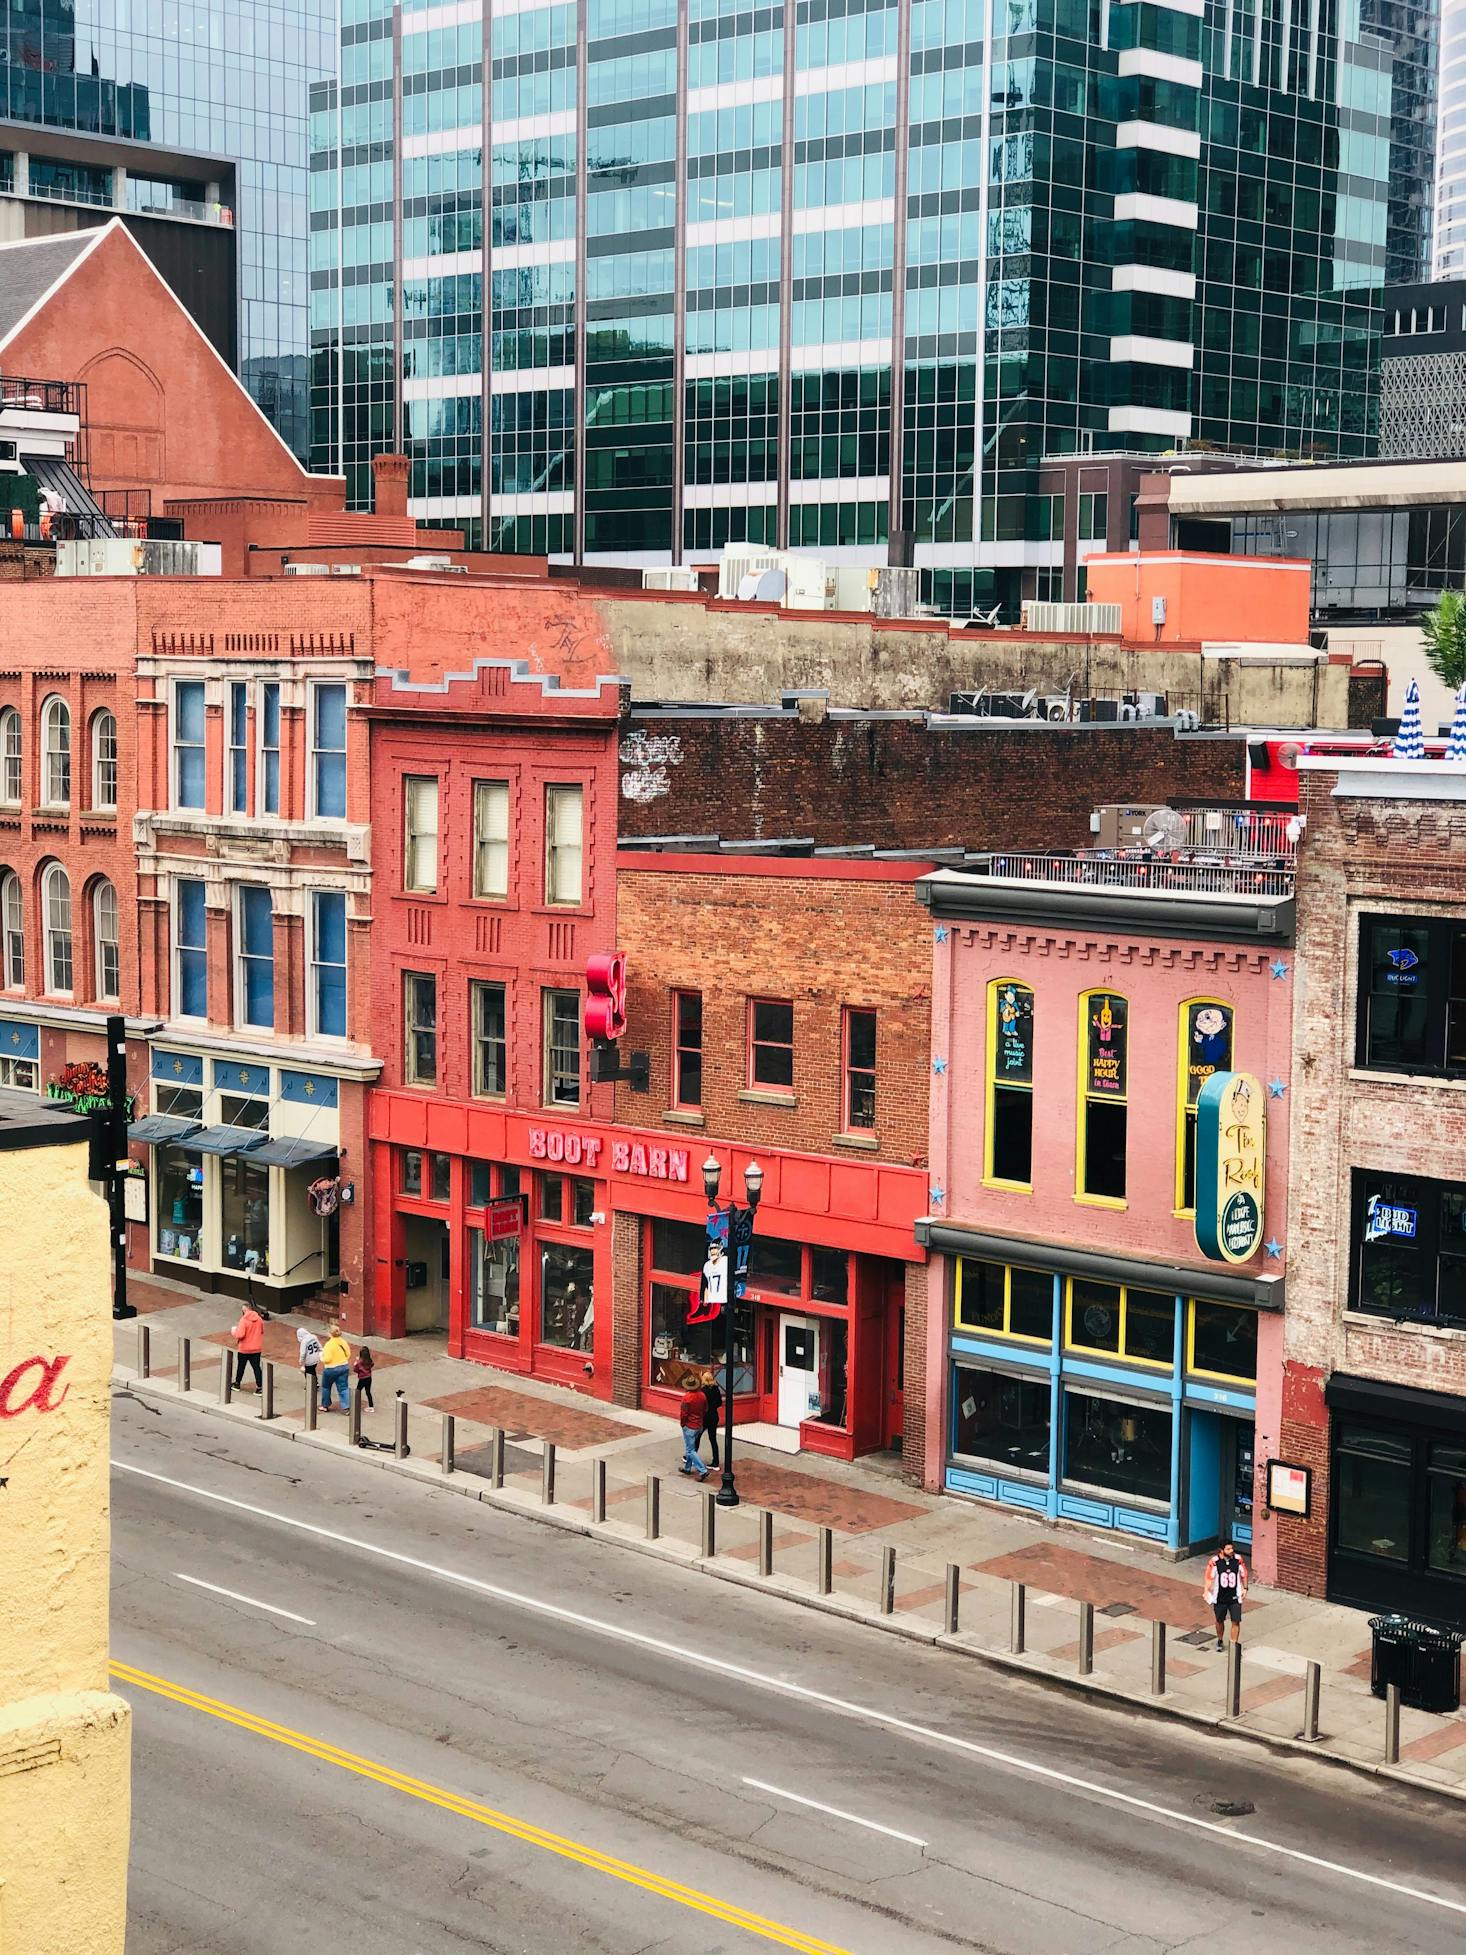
(299, 1055)
(756, 1096)
(1207, 914)
(1213, 1282)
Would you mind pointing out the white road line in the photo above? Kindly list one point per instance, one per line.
(250, 1602)
(781, 1686)
(834, 1812)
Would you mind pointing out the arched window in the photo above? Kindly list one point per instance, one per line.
(10, 775)
(1009, 1155)
(56, 911)
(12, 932)
(104, 760)
(1204, 1047)
(1104, 1085)
(56, 753)
(104, 933)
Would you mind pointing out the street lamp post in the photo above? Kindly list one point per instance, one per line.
(740, 1232)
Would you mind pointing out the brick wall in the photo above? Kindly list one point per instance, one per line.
(915, 1395)
(900, 783)
(626, 1366)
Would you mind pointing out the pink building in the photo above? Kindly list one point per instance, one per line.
(1087, 1360)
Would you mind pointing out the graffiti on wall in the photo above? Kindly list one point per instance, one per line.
(645, 760)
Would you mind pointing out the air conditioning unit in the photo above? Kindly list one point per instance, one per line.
(1117, 827)
(669, 577)
(1072, 619)
(1055, 710)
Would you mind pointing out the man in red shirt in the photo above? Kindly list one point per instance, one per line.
(691, 1414)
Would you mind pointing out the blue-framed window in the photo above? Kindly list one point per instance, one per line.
(256, 957)
(328, 962)
(191, 950)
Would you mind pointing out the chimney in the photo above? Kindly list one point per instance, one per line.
(389, 484)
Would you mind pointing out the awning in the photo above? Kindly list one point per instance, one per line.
(156, 1128)
(224, 1140)
(293, 1154)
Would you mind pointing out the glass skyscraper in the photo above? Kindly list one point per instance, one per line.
(224, 78)
(633, 278)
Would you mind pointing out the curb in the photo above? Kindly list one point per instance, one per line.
(685, 1555)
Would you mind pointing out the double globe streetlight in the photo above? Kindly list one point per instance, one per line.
(740, 1236)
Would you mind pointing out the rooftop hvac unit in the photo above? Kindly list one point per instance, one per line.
(307, 570)
(1085, 619)
(669, 577)
(741, 560)
(433, 563)
(136, 556)
(1117, 827)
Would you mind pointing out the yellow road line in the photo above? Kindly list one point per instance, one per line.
(499, 1822)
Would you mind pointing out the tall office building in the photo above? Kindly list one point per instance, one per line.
(1450, 185)
(837, 273)
(225, 78)
(1410, 29)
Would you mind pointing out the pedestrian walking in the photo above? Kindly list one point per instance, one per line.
(361, 1371)
(310, 1352)
(712, 1395)
(1226, 1590)
(249, 1342)
(691, 1413)
(335, 1368)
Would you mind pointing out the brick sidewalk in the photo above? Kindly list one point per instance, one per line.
(1129, 1585)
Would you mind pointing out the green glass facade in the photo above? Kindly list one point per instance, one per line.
(837, 274)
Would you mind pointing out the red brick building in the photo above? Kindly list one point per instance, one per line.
(783, 1003)
(1374, 1384)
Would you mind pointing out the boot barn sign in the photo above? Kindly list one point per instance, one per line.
(574, 1149)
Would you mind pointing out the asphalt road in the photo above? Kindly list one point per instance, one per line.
(410, 1725)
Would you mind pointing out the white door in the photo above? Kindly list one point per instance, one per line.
(799, 1368)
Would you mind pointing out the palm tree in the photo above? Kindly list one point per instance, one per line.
(1444, 630)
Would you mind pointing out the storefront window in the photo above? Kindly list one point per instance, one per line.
(776, 1266)
(998, 1417)
(180, 1203)
(1224, 1340)
(829, 1275)
(1138, 1325)
(1121, 1447)
(1372, 1481)
(493, 1275)
(411, 1171)
(567, 1198)
(480, 1183)
(237, 1111)
(1004, 1299)
(566, 1297)
(24, 1074)
(181, 1102)
(442, 1167)
(681, 1354)
(834, 1357)
(1010, 1083)
(1446, 1528)
(1104, 1046)
(1412, 994)
(244, 1222)
(1410, 1248)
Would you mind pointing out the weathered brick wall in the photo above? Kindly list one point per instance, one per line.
(901, 784)
(626, 1365)
(914, 1369)
(1357, 856)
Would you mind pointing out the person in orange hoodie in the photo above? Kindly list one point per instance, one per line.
(249, 1342)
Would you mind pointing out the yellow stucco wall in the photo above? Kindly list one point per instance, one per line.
(64, 1738)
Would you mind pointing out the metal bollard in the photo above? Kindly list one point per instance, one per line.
(709, 1545)
(888, 1579)
(226, 1377)
(1392, 1724)
(1158, 1659)
(267, 1395)
(547, 1475)
(653, 1507)
(1018, 1619)
(400, 1447)
(765, 1542)
(1086, 1639)
(185, 1364)
(446, 1458)
(824, 1579)
(496, 1456)
(598, 1489)
(312, 1402)
(1312, 1689)
(353, 1420)
(1234, 1681)
(144, 1349)
(952, 1601)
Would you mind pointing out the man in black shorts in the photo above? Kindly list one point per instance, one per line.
(1226, 1590)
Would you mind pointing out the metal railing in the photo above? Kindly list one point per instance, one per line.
(1196, 875)
(1241, 831)
(99, 197)
(39, 396)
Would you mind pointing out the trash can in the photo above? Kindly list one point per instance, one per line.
(1390, 1655)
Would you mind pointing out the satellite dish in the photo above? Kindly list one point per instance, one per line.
(1164, 830)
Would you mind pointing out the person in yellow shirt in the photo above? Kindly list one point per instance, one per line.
(335, 1368)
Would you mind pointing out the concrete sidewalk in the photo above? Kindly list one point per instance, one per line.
(870, 1510)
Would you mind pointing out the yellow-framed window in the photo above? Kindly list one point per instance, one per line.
(1101, 1098)
(1003, 1300)
(1221, 1341)
(1008, 1115)
(1118, 1320)
(1204, 1035)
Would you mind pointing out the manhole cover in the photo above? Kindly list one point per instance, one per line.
(1197, 1638)
(1232, 1808)
(1118, 1609)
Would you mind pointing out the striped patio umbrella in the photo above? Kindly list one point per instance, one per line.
(1410, 740)
(1456, 745)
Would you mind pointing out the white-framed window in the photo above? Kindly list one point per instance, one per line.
(420, 832)
(188, 743)
(256, 937)
(491, 840)
(420, 1028)
(564, 812)
(56, 911)
(190, 950)
(12, 929)
(239, 747)
(328, 752)
(488, 1015)
(561, 1047)
(105, 933)
(104, 760)
(328, 963)
(267, 788)
(11, 779)
(56, 753)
